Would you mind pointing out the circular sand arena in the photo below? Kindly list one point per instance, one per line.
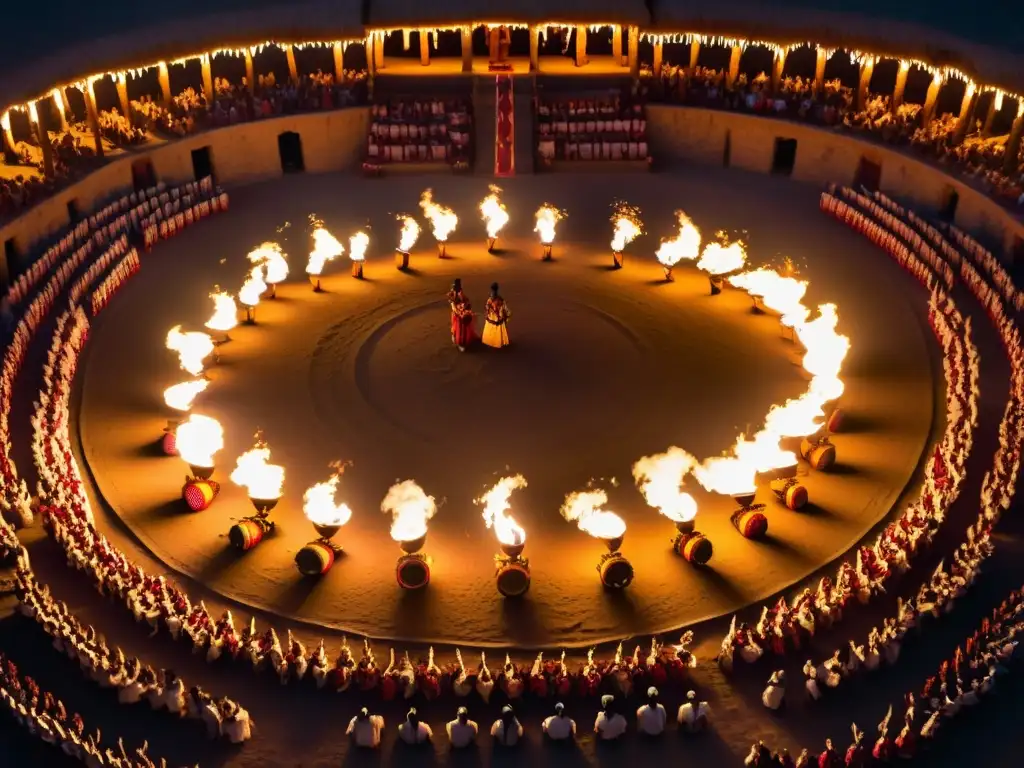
(605, 367)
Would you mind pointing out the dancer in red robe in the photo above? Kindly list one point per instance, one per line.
(462, 317)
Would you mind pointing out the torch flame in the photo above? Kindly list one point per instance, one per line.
(225, 312)
(496, 508)
(180, 396)
(726, 475)
(255, 473)
(585, 509)
(192, 348)
(722, 257)
(442, 220)
(357, 245)
(410, 508)
(547, 217)
(319, 506)
(626, 225)
(826, 349)
(253, 287)
(781, 294)
(660, 480)
(493, 211)
(198, 438)
(763, 452)
(410, 233)
(797, 418)
(685, 245)
(326, 247)
(272, 259)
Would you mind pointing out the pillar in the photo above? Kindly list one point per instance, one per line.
(43, 137)
(967, 109)
(994, 106)
(694, 57)
(617, 44)
(58, 102)
(164, 76)
(467, 49)
(778, 67)
(658, 54)
(534, 49)
(339, 62)
(425, 48)
(931, 98)
(1013, 141)
(901, 85)
(7, 145)
(93, 114)
(208, 92)
(581, 45)
(819, 69)
(121, 81)
(633, 50)
(293, 68)
(250, 70)
(378, 51)
(734, 67)
(867, 69)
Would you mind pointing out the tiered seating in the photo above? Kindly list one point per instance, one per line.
(414, 130)
(591, 129)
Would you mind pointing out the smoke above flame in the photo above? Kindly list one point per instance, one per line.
(192, 347)
(272, 259)
(626, 225)
(326, 247)
(180, 396)
(684, 246)
(253, 288)
(493, 211)
(254, 472)
(319, 505)
(410, 508)
(496, 510)
(198, 438)
(548, 217)
(357, 245)
(225, 312)
(660, 480)
(722, 257)
(409, 234)
(442, 220)
(585, 508)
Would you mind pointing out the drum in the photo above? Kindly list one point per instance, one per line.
(199, 494)
(413, 571)
(401, 260)
(314, 559)
(247, 533)
(790, 492)
(169, 443)
(835, 420)
(820, 456)
(618, 259)
(513, 578)
(616, 571)
(751, 523)
(357, 269)
(693, 547)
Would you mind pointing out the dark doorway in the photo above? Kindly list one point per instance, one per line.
(73, 214)
(950, 198)
(202, 163)
(143, 175)
(289, 145)
(727, 149)
(785, 157)
(11, 259)
(869, 175)
(1017, 253)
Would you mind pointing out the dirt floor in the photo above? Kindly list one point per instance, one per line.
(605, 367)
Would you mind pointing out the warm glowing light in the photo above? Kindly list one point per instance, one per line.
(272, 259)
(198, 439)
(797, 418)
(442, 220)
(410, 508)
(684, 246)
(660, 480)
(410, 233)
(626, 225)
(726, 475)
(253, 288)
(225, 312)
(192, 347)
(722, 257)
(493, 211)
(548, 217)
(826, 349)
(254, 472)
(357, 245)
(585, 508)
(319, 506)
(496, 510)
(180, 396)
(780, 294)
(326, 247)
(763, 452)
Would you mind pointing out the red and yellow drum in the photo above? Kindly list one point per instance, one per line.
(247, 533)
(835, 420)
(616, 571)
(820, 455)
(413, 571)
(513, 578)
(790, 492)
(169, 443)
(751, 523)
(693, 547)
(401, 260)
(199, 494)
(314, 559)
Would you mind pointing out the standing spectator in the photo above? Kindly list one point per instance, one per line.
(365, 729)
(651, 717)
(609, 725)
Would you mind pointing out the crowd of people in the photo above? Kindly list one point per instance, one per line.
(591, 129)
(407, 130)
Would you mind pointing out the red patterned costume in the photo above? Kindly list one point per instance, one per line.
(463, 333)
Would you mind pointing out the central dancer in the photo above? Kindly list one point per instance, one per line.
(463, 333)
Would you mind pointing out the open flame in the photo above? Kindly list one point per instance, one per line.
(722, 257)
(626, 225)
(800, 417)
(585, 509)
(254, 472)
(726, 475)
(496, 507)
(272, 259)
(326, 247)
(410, 508)
(319, 506)
(781, 294)
(442, 220)
(660, 480)
(198, 438)
(684, 246)
(763, 452)
(253, 288)
(548, 217)
(192, 347)
(180, 396)
(225, 312)
(410, 233)
(357, 245)
(826, 349)
(493, 211)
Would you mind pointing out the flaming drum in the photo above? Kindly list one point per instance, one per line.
(413, 568)
(169, 443)
(317, 557)
(250, 531)
(618, 259)
(616, 571)
(402, 260)
(199, 494)
(749, 519)
(790, 492)
(819, 452)
(512, 574)
(692, 545)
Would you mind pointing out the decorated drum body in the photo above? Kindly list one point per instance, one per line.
(513, 579)
(314, 559)
(616, 571)
(199, 494)
(835, 420)
(822, 456)
(790, 493)
(412, 571)
(693, 547)
(169, 444)
(751, 523)
(245, 534)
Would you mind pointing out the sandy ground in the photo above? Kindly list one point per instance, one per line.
(605, 367)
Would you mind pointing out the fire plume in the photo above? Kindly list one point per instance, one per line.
(410, 508)
(253, 288)
(496, 510)
(548, 217)
(442, 220)
(780, 294)
(192, 347)
(410, 233)
(254, 472)
(763, 452)
(626, 225)
(726, 475)
(326, 247)
(799, 417)
(225, 312)
(198, 438)
(493, 211)
(660, 479)
(272, 259)
(722, 257)
(357, 245)
(319, 505)
(180, 396)
(684, 246)
(585, 508)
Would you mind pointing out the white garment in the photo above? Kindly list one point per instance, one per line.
(417, 736)
(366, 733)
(559, 728)
(462, 735)
(509, 739)
(609, 728)
(651, 720)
